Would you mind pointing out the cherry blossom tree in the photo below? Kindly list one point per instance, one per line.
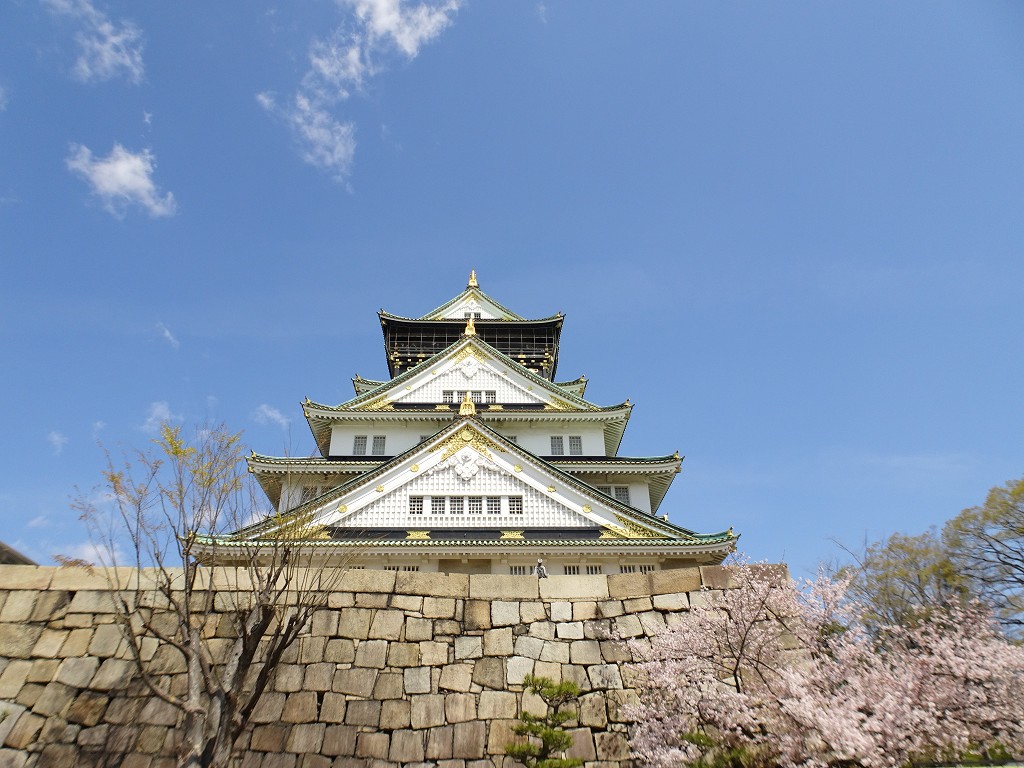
(766, 674)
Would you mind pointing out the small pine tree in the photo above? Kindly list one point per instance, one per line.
(547, 735)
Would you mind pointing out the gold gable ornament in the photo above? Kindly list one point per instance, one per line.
(470, 327)
(468, 407)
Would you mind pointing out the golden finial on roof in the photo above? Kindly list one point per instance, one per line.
(470, 327)
(472, 280)
(468, 407)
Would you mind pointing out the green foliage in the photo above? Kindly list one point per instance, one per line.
(547, 736)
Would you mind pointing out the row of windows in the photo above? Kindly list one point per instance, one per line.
(478, 396)
(376, 447)
(558, 445)
(617, 492)
(460, 505)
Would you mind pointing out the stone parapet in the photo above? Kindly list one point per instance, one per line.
(397, 669)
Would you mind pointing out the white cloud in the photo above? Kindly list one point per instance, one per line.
(97, 427)
(107, 49)
(339, 65)
(542, 13)
(159, 413)
(95, 553)
(39, 521)
(121, 179)
(267, 414)
(57, 441)
(166, 335)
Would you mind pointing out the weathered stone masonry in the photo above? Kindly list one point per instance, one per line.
(400, 669)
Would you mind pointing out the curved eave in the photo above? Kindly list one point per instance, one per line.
(704, 552)
(577, 387)
(396, 382)
(555, 319)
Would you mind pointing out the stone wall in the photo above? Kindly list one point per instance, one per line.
(410, 669)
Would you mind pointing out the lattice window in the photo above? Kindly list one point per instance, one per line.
(437, 505)
(617, 492)
(494, 505)
(594, 570)
(448, 396)
(359, 445)
(572, 570)
(456, 505)
(557, 445)
(515, 505)
(648, 568)
(627, 569)
(415, 505)
(519, 570)
(378, 445)
(476, 505)
(575, 445)
(410, 567)
(490, 396)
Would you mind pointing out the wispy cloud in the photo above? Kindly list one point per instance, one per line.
(107, 49)
(3, 98)
(166, 335)
(97, 427)
(267, 414)
(57, 442)
(159, 413)
(340, 64)
(39, 521)
(122, 179)
(542, 13)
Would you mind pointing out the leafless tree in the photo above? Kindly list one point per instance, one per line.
(229, 605)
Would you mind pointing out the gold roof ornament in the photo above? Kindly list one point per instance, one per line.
(472, 280)
(468, 407)
(470, 327)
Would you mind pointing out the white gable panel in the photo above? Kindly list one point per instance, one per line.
(472, 304)
(540, 510)
(474, 374)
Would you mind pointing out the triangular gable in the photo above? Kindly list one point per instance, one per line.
(467, 459)
(470, 364)
(471, 301)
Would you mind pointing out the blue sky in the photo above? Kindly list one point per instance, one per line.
(790, 232)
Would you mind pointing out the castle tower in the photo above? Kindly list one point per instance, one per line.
(472, 458)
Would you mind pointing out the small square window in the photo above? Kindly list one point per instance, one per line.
(456, 505)
(575, 445)
(648, 568)
(515, 505)
(359, 445)
(572, 570)
(519, 570)
(594, 570)
(627, 569)
(378, 445)
(622, 493)
(490, 396)
(494, 505)
(476, 505)
(557, 445)
(437, 505)
(448, 396)
(415, 505)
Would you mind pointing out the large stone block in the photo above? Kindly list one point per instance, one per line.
(418, 629)
(18, 606)
(87, 709)
(428, 710)
(675, 580)
(498, 642)
(77, 672)
(311, 649)
(389, 685)
(387, 625)
(339, 740)
(585, 652)
(561, 610)
(17, 640)
(406, 747)
(469, 647)
(395, 713)
(652, 622)
(372, 600)
(301, 707)
(582, 745)
(489, 673)
(469, 739)
(288, 678)
(439, 743)
(439, 607)
(569, 630)
(113, 674)
(548, 669)
(324, 623)
(477, 614)
(433, 654)
(363, 713)
(501, 734)
(319, 677)
(340, 651)
(517, 668)
(593, 712)
(355, 622)
(504, 613)
(611, 746)
(417, 680)
(49, 643)
(456, 677)
(372, 745)
(460, 707)
(574, 588)
(306, 738)
(673, 601)
(54, 700)
(529, 646)
(355, 682)
(269, 738)
(604, 676)
(433, 584)
(497, 705)
(532, 611)
(404, 655)
(25, 730)
(637, 604)
(108, 640)
(269, 707)
(26, 577)
(43, 670)
(366, 580)
(487, 586)
(372, 653)
(627, 626)
(556, 651)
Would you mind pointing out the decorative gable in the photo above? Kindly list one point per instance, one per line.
(470, 477)
(471, 303)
